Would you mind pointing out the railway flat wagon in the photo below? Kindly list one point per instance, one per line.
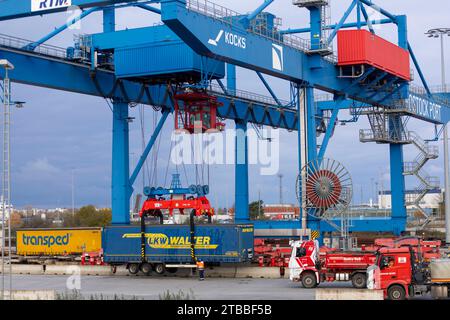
(58, 241)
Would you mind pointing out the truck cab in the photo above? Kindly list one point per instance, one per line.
(397, 273)
(304, 263)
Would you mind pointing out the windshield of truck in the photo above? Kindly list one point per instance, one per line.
(301, 252)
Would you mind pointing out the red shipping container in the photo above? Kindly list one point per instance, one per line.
(356, 47)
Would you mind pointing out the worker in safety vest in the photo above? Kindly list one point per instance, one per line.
(201, 269)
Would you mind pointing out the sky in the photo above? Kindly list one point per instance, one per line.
(60, 139)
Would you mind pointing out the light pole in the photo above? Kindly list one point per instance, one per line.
(73, 192)
(440, 33)
(6, 182)
(280, 176)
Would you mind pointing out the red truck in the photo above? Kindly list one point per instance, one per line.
(401, 274)
(308, 266)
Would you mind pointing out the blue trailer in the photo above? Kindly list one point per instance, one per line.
(167, 247)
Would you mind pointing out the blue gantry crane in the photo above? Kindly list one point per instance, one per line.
(201, 43)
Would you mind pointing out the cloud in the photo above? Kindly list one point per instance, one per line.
(39, 168)
(58, 131)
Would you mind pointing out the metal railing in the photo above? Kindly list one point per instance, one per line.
(212, 10)
(22, 44)
(309, 2)
(248, 96)
(422, 92)
(440, 88)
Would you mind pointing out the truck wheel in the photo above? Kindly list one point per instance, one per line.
(133, 268)
(309, 280)
(146, 268)
(396, 292)
(159, 268)
(359, 281)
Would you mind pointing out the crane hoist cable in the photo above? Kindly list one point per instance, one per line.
(168, 164)
(156, 153)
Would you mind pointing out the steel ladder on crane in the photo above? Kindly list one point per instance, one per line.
(415, 168)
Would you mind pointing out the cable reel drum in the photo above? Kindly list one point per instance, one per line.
(324, 188)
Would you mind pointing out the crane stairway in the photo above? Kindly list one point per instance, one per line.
(415, 168)
(382, 129)
(385, 130)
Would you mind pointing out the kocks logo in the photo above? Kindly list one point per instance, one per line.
(47, 241)
(230, 39)
(40, 5)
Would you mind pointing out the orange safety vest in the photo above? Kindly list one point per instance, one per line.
(200, 265)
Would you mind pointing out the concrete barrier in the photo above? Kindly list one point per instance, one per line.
(27, 269)
(348, 294)
(258, 272)
(83, 270)
(96, 270)
(31, 295)
(59, 270)
(214, 272)
(221, 272)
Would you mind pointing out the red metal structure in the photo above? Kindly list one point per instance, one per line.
(92, 258)
(427, 249)
(201, 205)
(196, 112)
(361, 47)
(271, 254)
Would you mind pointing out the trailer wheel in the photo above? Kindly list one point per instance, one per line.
(133, 268)
(309, 280)
(396, 292)
(146, 268)
(159, 268)
(359, 281)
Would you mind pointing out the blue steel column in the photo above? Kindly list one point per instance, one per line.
(399, 213)
(241, 198)
(241, 173)
(316, 62)
(231, 79)
(315, 15)
(120, 164)
(120, 184)
(300, 151)
(109, 20)
(313, 223)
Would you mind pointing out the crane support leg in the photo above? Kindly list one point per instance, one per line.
(120, 164)
(397, 183)
(311, 148)
(241, 173)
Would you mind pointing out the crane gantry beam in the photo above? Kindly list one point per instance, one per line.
(77, 78)
(224, 35)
